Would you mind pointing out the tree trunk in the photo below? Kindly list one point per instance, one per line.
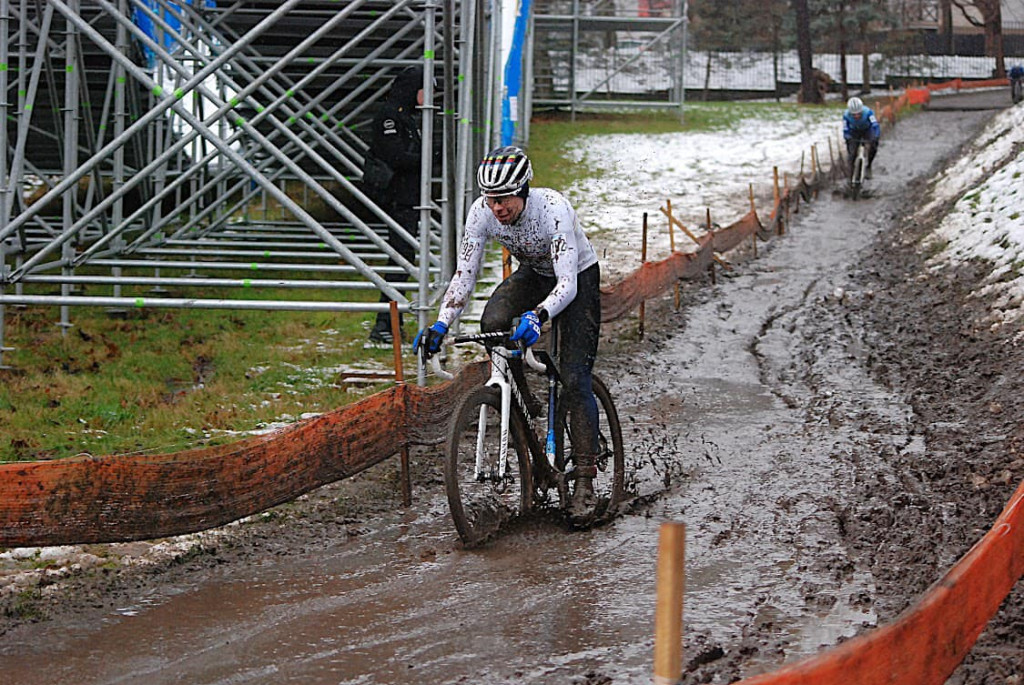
(809, 93)
(707, 76)
(994, 38)
(843, 75)
(946, 9)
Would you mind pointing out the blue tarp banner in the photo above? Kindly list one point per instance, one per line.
(514, 75)
(171, 16)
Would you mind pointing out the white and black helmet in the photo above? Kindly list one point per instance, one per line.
(855, 105)
(504, 171)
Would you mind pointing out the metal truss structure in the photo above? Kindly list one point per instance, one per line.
(608, 53)
(209, 154)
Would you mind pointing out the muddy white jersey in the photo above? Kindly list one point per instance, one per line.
(546, 237)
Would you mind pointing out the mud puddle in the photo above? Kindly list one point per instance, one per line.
(748, 414)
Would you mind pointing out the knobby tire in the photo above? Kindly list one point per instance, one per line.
(480, 508)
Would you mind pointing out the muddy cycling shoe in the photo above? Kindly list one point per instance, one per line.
(584, 500)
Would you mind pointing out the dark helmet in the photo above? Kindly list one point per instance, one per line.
(504, 171)
(406, 85)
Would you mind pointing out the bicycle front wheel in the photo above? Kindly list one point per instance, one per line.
(484, 493)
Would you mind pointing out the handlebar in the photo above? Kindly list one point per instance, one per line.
(527, 352)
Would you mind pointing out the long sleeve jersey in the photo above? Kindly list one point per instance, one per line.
(865, 128)
(546, 237)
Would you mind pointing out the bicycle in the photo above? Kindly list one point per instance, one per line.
(858, 170)
(507, 452)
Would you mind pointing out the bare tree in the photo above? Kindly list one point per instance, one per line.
(991, 19)
(809, 92)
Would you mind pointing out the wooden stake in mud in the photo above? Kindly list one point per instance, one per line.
(672, 244)
(668, 615)
(711, 266)
(779, 221)
(643, 260)
(831, 161)
(753, 208)
(396, 338)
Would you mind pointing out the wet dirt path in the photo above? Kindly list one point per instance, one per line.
(748, 416)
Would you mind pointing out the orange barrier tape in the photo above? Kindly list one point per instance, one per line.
(135, 497)
(926, 643)
(652, 279)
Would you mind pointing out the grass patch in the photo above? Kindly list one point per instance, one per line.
(170, 379)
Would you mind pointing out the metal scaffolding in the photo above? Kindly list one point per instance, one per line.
(154, 147)
(607, 53)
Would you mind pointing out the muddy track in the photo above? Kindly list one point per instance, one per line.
(834, 427)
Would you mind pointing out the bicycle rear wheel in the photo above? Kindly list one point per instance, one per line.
(482, 498)
(609, 485)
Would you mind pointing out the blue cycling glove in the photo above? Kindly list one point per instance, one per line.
(528, 329)
(430, 339)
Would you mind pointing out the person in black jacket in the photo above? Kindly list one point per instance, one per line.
(395, 139)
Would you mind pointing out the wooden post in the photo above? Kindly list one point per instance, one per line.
(780, 222)
(711, 266)
(643, 260)
(668, 616)
(672, 245)
(753, 208)
(831, 161)
(396, 343)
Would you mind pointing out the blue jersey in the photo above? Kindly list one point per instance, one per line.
(864, 128)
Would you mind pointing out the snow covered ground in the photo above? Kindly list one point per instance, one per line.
(715, 170)
(987, 221)
(696, 172)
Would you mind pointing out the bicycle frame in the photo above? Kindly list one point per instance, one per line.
(502, 378)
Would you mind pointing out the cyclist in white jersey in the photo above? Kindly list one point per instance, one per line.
(558, 275)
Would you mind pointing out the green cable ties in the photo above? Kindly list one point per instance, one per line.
(255, 267)
(290, 93)
(460, 77)
(3, 66)
(69, 68)
(449, 111)
(309, 115)
(122, 79)
(464, 121)
(323, 245)
(259, 109)
(428, 54)
(233, 102)
(240, 121)
(179, 93)
(246, 283)
(139, 302)
(103, 127)
(325, 116)
(22, 93)
(266, 254)
(291, 120)
(158, 91)
(311, 60)
(28, 108)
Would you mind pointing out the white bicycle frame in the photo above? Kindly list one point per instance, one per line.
(499, 379)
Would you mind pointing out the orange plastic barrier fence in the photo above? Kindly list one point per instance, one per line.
(135, 497)
(959, 84)
(927, 642)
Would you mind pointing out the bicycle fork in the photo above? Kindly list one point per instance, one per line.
(499, 378)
